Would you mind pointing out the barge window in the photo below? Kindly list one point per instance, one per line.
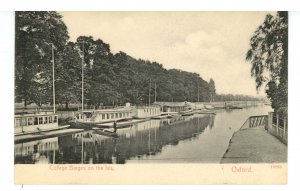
(107, 116)
(30, 121)
(40, 120)
(45, 120)
(17, 122)
(50, 119)
(55, 119)
(112, 115)
(116, 115)
(36, 121)
(103, 116)
(88, 115)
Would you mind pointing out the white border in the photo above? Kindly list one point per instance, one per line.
(7, 97)
(294, 101)
(152, 5)
(6, 77)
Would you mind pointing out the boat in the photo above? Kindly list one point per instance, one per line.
(105, 132)
(122, 123)
(233, 107)
(209, 107)
(170, 114)
(90, 118)
(36, 123)
(204, 111)
(159, 117)
(186, 113)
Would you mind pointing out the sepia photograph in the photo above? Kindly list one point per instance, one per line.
(156, 97)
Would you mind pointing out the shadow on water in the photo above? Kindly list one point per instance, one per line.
(137, 141)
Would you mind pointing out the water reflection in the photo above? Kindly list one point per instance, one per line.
(34, 152)
(137, 141)
(200, 138)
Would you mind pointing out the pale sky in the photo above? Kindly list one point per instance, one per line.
(212, 44)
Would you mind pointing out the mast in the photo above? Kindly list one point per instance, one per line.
(198, 92)
(53, 82)
(155, 92)
(82, 78)
(150, 93)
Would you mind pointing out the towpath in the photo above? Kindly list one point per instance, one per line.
(255, 145)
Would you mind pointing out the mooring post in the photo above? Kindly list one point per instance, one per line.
(284, 127)
(270, 120)
(277, 123)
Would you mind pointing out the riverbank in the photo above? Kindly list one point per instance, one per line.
(254, 145)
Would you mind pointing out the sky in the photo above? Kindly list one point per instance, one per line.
(212, 44)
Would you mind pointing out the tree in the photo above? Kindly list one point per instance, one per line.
(35, 33)
(269, 58)
(212, 89)
(68, 76)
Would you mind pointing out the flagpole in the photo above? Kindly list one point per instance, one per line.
(53, 77)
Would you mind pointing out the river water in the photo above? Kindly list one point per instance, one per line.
(200, 138)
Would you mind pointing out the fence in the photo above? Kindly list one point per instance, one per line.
(256, 121)
(275, 124)
(278, 126)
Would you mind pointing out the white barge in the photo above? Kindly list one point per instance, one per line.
(90, 118)
(36, 123)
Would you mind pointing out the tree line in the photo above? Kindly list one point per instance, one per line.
(237, 97)
(109, 79)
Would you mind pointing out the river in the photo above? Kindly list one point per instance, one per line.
(200, 138)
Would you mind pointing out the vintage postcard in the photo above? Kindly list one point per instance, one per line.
(151, 97)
